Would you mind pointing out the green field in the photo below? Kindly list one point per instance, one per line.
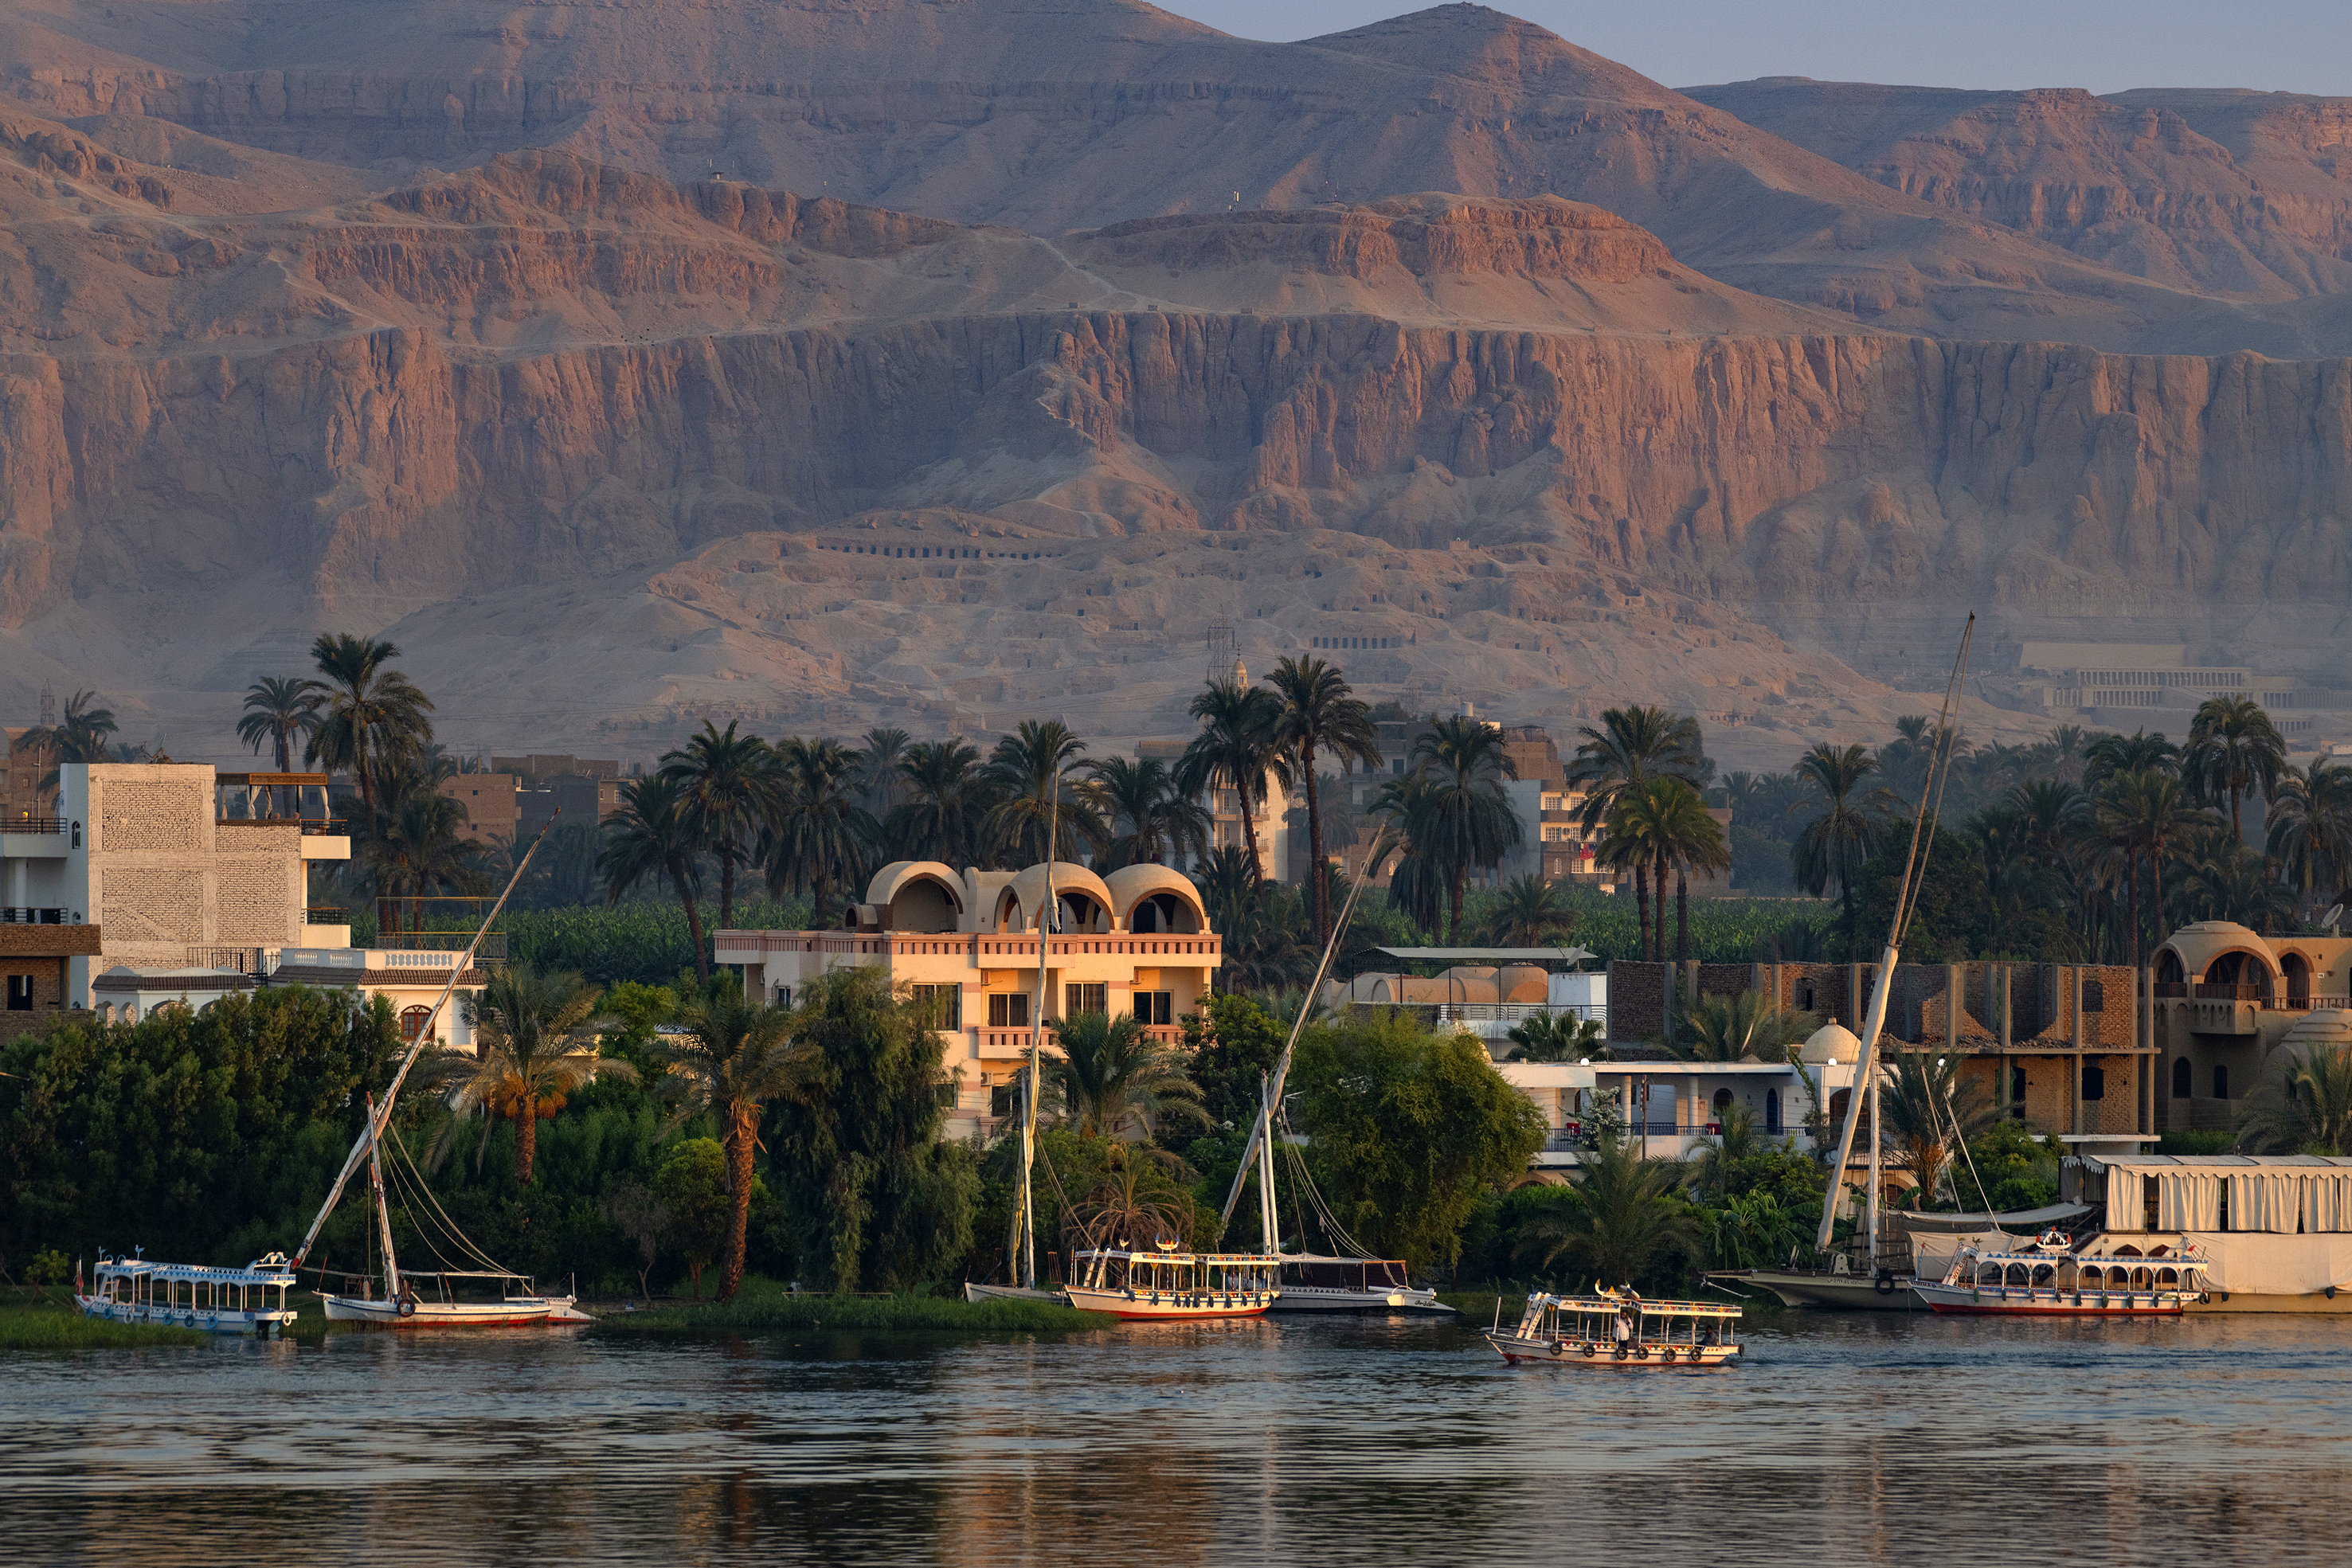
(761, 1307)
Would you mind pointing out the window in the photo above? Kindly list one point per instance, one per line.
(2181, 1088)
(1008, 1009)
(2220, 1085)
(20, 993)
(1805, 995)
(1154, 1006)
(2095, 1083)
(940, 1006)
(1772, 1110)
(1005, 1099)
(411, 1022)
(1080, 1000)
(2017, 1092)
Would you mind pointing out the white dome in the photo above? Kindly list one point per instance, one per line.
(1831, 1042)
(2330, 1027)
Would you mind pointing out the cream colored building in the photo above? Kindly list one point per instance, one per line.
(180, 866)
(1137, 941)
(2225, 997)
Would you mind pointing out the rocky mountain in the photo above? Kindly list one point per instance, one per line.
(824, 363)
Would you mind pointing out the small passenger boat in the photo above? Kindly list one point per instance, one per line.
(1310, 1283)
(2046, 1280)
(1619, 1329)
(191, 1295)
(1165, 1285)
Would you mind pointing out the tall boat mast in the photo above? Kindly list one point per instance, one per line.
(1923, 824)
(363, 1146)
(1024, 1215)
(1261, 1139)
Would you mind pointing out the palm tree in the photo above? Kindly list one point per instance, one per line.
(1634, 840)
(948, 797)
(1694, 842)
(535, 1044)
(1149, 818)
(1036, 801)
(878, 778)
(1625, 1214)
(2303, 1105)
(1236, 749)
(1718, 1155)
(2223, 880)
(1633, 744)
(276, 710)
(727, 789)
(2310, 829)
(650, 838)
(2232, 748)
(369, 711)
(1924, 1101)
(735, 1056)
(1745, 1028)
(1531, 913)
(1264, 931)
(1112, 1079)
(1558, 1037)
(1320, 714)
(2111, 754)
(1838, 841)
(1464, 820)
(413, 844)
(80, 737)
(2143, 815)
(817, 836)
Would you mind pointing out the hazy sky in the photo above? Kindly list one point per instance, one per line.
(2295, 46)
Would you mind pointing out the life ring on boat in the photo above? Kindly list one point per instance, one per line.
(407, 1301)
(1641, 1353)
(1590, 1349)
(1883, 1284)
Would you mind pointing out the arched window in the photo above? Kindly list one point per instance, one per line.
(2220, 1082)
(2180, 1085)
(1772, 1110)
(1721, 1103)
(412, 1022)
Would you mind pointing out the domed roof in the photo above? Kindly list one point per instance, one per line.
(2326, 1027)
(1831, 1042)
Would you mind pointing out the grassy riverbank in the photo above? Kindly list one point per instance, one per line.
(31, 1321)
(762, 1307)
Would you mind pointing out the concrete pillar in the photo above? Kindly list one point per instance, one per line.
(1956, 1001)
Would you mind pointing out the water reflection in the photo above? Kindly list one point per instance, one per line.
(2215, 1441)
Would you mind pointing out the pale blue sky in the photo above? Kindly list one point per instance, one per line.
(2106, 46)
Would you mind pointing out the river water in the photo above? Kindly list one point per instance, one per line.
(1863, 1439)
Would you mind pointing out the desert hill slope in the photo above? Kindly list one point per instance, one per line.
(1053, 114)
(648, 452)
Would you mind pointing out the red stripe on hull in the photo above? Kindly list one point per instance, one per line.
(1976, 1312)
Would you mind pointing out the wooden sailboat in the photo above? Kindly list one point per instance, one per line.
(1314, 1282)
(485, 1297)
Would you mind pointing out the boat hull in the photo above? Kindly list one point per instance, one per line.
(261, 1323)
(1149, 1307)
(1651, 1357)
(1841, 1292)
(1324, 1299)
(1987, 1302)
(522, 1312)
(978, 1292)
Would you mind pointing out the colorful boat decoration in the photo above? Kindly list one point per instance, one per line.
(1162, 1285)
(191, 1295)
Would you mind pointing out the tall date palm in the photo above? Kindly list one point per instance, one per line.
(1320, 714)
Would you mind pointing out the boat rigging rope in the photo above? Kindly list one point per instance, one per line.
(1941, 757)
(1332, 1226)
(466, 1242)
(400, 1191)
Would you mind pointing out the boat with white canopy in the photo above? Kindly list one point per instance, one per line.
(251, 1300)
(1621, 1330)
(1162, 1285)
(2046, 1279)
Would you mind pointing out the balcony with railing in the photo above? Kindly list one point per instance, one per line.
(39, 826)
(275, 800)
(37, 914)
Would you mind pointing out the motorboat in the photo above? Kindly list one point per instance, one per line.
(191, 1295)
(1619, 1330)
(1159, 1284)
(2044, 1280)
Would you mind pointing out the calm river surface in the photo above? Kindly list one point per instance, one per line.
(1842, 1440)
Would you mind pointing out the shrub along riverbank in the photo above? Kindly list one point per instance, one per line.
(31, 1320)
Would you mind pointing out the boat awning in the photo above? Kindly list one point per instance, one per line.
(2024, 1220)
(1489, 955)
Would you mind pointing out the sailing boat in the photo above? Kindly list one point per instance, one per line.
(1313, 1283)
(1875, 1286)
(490, 1296)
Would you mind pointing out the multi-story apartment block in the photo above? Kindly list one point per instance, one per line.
(1135, 942)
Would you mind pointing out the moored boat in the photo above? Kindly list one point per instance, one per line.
(974, 1291)
(2048, 1280)
(1167, 1286)
(475, 1300)
(1311, 1284)
(191, 1295)
(1619, 1329)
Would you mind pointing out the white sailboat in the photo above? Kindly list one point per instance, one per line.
(488, 1296)
(1314, 1282)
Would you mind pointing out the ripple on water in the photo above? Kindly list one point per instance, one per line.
(1866, 1439)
